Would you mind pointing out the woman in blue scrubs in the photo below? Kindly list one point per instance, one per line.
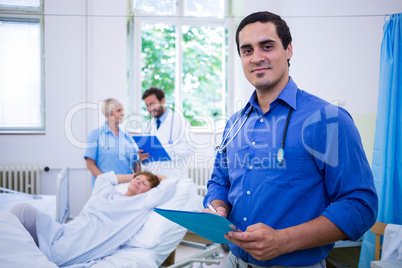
(109, 147)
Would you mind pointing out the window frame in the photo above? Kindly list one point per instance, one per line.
(29, 14)
(136, 19)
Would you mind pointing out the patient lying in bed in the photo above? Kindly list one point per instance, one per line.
(107, 222)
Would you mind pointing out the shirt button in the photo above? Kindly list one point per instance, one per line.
(248, 192)
(251, 167)
(253, 143)
(261, 120)
(245, 219)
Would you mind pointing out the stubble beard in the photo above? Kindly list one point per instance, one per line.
(263, 85)
(159, 112)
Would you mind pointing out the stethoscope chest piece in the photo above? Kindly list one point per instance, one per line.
(280, 155)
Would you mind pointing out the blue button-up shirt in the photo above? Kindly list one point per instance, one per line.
(324, 172)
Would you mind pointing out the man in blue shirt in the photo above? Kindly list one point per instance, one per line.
(291, 173)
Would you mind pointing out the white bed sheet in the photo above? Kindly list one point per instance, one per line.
(46, 204)
(159, 236)
(17, 247)
(151, 246)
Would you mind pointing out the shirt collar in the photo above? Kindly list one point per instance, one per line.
(106, 129)
(162, 118)
(288, 95)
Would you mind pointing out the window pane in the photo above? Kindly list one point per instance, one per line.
(202, 73)
(204, 8)
(20, 74)
(156, 7)
(20, 3)
(158, 59)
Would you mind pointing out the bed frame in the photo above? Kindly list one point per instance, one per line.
(210, 255)
(63, 195)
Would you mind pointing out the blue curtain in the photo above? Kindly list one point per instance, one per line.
(387, 154)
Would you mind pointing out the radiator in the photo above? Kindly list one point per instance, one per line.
(200, 176)
(21, 178)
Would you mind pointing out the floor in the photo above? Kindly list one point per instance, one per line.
(183, 252)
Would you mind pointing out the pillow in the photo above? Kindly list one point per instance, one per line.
(17, 247)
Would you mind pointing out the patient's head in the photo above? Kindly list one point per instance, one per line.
(141, 183)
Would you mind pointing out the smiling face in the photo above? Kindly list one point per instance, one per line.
(117, 113)
(264, 60)
(114, 113)
(138, 185)
(155, 107)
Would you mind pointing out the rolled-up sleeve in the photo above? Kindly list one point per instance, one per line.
(348, 177)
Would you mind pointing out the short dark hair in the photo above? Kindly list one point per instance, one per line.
(159, 94)
(151, 178)
(282, 29)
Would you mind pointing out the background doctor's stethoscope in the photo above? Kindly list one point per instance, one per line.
(151, 125)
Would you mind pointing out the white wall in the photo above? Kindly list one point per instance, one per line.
(336, 52)
(336, 56)
(336, 47)
(85, 62)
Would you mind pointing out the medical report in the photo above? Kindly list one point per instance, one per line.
(207, 225)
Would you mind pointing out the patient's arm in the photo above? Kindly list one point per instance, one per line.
(160, 177)
(122, 178)
(92, 167)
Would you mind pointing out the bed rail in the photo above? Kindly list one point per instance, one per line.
(210, 255)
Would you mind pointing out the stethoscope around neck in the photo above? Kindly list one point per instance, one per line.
(280, 155)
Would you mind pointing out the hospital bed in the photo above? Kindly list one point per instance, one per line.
(57, 206)
(154, 242)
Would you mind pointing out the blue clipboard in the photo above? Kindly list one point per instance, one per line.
(207, 225)
(151, 145)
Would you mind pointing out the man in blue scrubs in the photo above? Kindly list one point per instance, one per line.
(291, 174)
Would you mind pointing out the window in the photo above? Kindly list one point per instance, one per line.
(181, 47)
(21, 67)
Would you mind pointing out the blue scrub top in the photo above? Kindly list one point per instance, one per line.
(110, 152)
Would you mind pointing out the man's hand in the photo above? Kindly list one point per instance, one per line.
(221, 211)
(143, 156)
(220, 206)
(260, 240)
(265, 243)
